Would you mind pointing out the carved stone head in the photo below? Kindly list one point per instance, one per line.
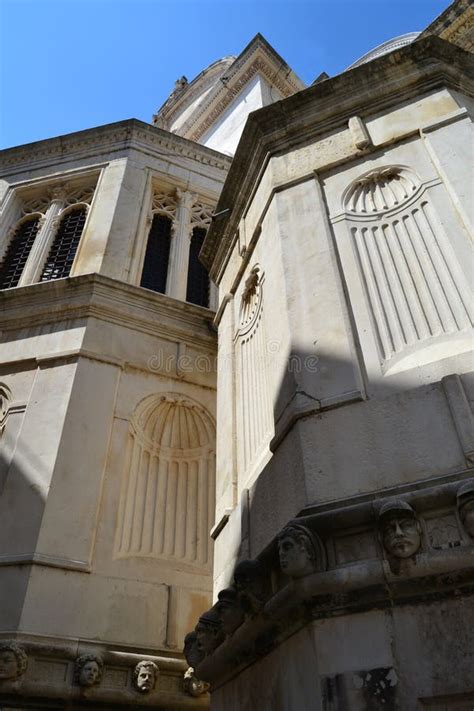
(400, 529)
(192, 653)
(145, 675)
(192, 685)
(465, 504)
(13, 661)
(251, 583)
(229, 610)
(209, 632)
(88, 670)
(301, 551)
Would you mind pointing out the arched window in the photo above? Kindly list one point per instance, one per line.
(18, 251)
(155, 267)
(63, 250)
(197, 291)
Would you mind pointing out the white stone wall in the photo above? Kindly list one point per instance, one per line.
(89, 361)
(225, 133)
(370, 421)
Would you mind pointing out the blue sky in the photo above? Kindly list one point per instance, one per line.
(68, 65)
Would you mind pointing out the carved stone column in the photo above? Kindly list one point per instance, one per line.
(179, 257)
(39, 251)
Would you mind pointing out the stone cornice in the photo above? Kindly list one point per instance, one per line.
(413, 70)
(455, 24)
(93, 295)
(114, 137)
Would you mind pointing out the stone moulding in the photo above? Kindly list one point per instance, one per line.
(374, 576)
(328, 593)
(51, 676)
(120, 136)
(102, 297)
(182, 97)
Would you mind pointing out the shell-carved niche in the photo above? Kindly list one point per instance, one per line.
(381, 190)
(414, 286)
(168, 489)
(255, 417)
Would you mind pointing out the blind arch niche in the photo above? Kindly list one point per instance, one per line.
(168, 487)
(414, 287)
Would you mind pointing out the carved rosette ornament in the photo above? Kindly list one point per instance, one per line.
(145, 676)
(399, 529)
(465, 506)
(88, 670)
(13, 661)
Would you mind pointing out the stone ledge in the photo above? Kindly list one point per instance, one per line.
(355, 570)
(119, 136)
(49, 677)
(86, 295)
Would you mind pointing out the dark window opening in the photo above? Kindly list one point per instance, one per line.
(64, 247)
(198, 279)
(155, 267)
(17, 253)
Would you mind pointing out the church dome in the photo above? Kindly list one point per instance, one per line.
(385, 48)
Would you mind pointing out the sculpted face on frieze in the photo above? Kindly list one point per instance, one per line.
(251, 583)
(191, 651)
(13, 661)
(145, 675)
(400, 529)
(300, 551)
(209, 632)
(465, 505)
(229, 610)
(88, 670)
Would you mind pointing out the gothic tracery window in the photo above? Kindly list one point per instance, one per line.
(52, 222)
(197, 291)
(155, 267)
(63, 249)
(18, 251)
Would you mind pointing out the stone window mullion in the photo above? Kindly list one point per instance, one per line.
(180, 245)
(39, 252)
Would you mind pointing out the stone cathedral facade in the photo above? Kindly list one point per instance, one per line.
(236, 388)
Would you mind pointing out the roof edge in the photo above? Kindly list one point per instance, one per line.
(120, 131)
(286, 123)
